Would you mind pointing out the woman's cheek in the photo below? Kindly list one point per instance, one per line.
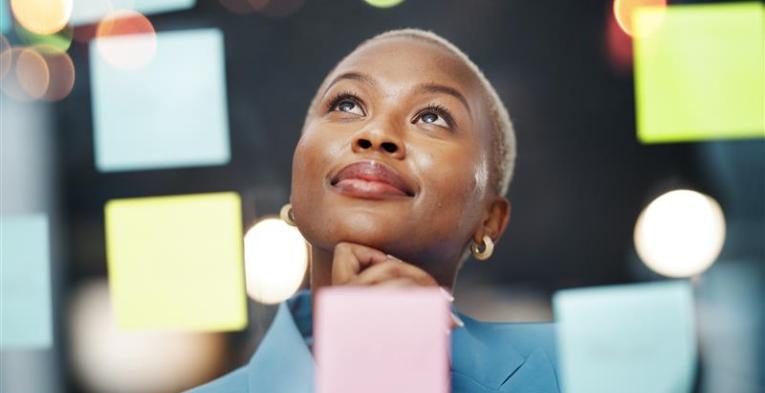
(309, 154)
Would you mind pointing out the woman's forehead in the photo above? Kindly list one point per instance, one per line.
(408, 60)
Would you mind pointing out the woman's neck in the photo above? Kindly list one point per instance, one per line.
(320, 268)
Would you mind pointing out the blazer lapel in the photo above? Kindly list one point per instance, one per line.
(535, 375)
(496, 357)
(282, 363)
(488, 363)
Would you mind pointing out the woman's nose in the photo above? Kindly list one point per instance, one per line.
(379, 141)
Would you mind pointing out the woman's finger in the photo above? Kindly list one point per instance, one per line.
(393, 269)
(350, 259)
(401, 282)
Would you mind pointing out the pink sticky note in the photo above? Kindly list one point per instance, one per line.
(381, 340)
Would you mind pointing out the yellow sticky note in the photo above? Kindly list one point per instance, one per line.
(700, 72)
(175, 262)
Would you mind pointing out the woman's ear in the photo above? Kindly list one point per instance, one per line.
(496, 220)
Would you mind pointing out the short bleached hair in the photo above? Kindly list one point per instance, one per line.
(503, 140)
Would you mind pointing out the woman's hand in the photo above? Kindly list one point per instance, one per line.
(354, 264)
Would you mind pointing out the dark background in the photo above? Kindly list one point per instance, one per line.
(581, 178)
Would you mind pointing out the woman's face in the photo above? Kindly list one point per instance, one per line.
(394, 155)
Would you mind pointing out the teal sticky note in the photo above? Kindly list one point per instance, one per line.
(700, 72)
(26, 296)
(5, 17)
(627, 338)
(91, 11)
(169, 112)
(158, 6)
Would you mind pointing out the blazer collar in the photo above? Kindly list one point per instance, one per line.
(489, 362)
(283, 362)
(485, 359)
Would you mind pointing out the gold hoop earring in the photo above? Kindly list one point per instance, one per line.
(286, 215)
(484, 251)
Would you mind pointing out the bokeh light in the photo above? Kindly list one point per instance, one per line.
(60, 71)
(126, 39)
(624, 11)
(4, 44)
(384, 3)
(42, 16)
(27, 76)
(59, 41)
(32, 73)
(275, 260)
(618, 45)
(5, 61)
(680, 233)
(37, 72)
(106, 359)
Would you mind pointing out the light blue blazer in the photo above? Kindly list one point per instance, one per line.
(486, 357)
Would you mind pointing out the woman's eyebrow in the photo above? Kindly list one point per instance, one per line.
(353, 75)
(421, 88)
(437, 88)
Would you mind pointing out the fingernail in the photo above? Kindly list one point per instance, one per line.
(392, 257)
(457, 321)
(448, 295)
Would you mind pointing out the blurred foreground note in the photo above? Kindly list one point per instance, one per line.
(25, 296)
(162, 107)
(92, 11)
(5, 17)
(700, 72)
(626, 338)
(381, 340)
(175, 262)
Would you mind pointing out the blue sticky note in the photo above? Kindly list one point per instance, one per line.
(91, 11)
(170, 112)
(157, 6)
(5, 17)
(26, 321)
(626, 338)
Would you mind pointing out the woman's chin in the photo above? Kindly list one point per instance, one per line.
(384, 233)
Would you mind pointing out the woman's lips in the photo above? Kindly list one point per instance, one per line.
(371, 180)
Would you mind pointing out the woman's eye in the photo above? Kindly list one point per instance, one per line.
(433, 118)
(349, 107)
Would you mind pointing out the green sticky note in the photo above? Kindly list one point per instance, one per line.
(626, 338)
(175, 262)
(25, 295)
(700, 72)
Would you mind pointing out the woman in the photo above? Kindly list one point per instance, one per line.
(401, 171)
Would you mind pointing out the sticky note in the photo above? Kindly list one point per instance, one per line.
(5, 17)
(699, 72)
(175, 262)
(626, 338)
(381, 340)
(170, 112)
(25, 293)
(91, 11)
